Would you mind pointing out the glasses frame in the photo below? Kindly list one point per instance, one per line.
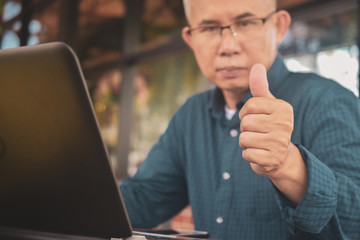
(234, 33)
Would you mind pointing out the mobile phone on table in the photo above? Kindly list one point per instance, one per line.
(180, 233)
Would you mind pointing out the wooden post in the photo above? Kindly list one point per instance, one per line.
(2, 4)
(131, 38)
(68, 29)
(25, 21)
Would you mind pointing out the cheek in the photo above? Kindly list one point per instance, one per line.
(262, 50)
(205, 58)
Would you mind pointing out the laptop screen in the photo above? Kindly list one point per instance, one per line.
(55, 174)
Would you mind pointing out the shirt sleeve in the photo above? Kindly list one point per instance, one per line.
(158, 189)
(330, 148)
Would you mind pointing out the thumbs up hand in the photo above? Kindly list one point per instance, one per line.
(266, 127)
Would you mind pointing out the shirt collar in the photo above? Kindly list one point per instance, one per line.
(217, 103)
(276, 75)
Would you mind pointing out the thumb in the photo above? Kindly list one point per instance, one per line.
(258, 83)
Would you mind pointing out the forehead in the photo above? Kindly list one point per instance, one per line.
(225, 10)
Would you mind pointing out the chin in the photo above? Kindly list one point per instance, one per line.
(233, 83)
(234, 88)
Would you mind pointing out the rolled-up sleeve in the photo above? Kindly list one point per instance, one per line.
(330, 147)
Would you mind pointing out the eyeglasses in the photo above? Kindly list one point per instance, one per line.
(244, 28)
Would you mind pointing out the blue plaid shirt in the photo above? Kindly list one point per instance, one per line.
(198, 161)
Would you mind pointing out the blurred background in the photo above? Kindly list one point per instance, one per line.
(139, 71)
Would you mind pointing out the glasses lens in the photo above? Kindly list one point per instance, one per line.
(247, 26)
(206, 31)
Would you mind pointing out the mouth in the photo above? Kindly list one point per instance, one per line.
(232, 72)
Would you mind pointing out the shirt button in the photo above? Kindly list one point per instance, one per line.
(219, 220)
(233, 132)
(226, 176)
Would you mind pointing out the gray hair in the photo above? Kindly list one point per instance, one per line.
(187, 7)
(186, 4)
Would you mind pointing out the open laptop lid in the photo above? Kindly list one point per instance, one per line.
(55, 175)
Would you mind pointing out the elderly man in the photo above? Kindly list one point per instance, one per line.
(267, 154)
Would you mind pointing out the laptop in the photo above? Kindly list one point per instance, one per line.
(55, 174)
(56, 181)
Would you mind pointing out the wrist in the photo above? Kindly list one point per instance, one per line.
(291, 178)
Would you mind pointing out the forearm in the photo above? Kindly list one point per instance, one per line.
(138, 211)
(330, 208)
(151, 202)
(158, 189)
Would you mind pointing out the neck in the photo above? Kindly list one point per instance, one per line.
(232, 98)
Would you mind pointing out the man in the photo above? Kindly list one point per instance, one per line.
(268, 154)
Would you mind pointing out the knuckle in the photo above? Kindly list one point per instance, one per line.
(242, 140)
(287, 108)
(245, 154)
(288, 126)
(251, 104)
(244, 123)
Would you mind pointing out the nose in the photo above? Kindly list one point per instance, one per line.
(229, 45)
(233, 32)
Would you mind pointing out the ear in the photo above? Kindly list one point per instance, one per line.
(282, 25)
(187, 36)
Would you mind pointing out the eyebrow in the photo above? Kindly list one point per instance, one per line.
(244, 15)
(238, 17)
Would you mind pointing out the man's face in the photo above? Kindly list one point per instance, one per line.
(226, 60)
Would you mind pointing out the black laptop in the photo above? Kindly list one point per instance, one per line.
(56, 181)
(55, 175)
